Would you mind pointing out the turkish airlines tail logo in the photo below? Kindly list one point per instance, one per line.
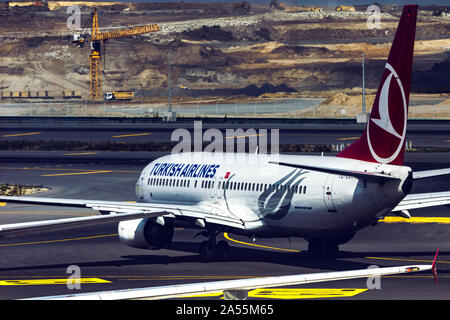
(384, 122)
(386, 146)
(384, 137)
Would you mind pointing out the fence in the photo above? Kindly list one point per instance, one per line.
(283, 108)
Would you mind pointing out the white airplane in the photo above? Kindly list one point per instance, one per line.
(323, 199)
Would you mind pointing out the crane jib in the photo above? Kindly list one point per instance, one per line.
(127, 32)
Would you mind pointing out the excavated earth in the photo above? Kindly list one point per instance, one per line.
(217, 51)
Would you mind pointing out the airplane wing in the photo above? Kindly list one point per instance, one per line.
(199, 214)
(238, 289)
(423, 200)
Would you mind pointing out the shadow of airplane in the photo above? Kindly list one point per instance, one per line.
(343, 261)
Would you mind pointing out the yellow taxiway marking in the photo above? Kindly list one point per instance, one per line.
(73, 173)
(410, 260)
(37, 282)
(304, 293)
(348, 138)
(20, 134)
(133, 135)
(293, 293)
(58, 240)
(78, 154)
(257, 245)
(442, 220)
(292, 250)
(245, 136)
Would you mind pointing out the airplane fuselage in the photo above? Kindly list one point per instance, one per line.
(272, 200)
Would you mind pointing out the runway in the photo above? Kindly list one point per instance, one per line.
(316, 132)
(35, 266)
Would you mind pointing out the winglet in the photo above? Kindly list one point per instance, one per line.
(433, 267)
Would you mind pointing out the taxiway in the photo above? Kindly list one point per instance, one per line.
(37, 265)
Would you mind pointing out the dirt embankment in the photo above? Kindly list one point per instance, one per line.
(214, 49)
(342, 105)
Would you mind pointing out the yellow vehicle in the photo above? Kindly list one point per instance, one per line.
(119, 95)
(345, 8)
(314, 9)
(67, 94)
(26, 95)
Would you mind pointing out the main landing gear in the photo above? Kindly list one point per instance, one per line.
(211, 250)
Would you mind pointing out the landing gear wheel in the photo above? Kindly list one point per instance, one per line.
(223, 250)
(207, 252)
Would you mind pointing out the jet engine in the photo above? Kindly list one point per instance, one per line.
(145, 233)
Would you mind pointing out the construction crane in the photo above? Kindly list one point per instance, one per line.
(96, 41)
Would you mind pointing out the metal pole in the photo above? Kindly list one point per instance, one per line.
(363, 87)
(168, 79)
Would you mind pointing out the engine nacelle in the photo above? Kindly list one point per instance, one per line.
(145, 233)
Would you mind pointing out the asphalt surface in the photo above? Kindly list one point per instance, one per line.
(34, 266)
(420, 135)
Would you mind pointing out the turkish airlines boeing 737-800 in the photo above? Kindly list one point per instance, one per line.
(322, 199)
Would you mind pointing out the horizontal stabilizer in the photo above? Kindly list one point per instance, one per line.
(430, 173)
(423, 200)
(366, 176)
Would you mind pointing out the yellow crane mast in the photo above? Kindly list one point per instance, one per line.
(95, 57)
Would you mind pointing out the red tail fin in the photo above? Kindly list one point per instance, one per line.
(384, 137)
